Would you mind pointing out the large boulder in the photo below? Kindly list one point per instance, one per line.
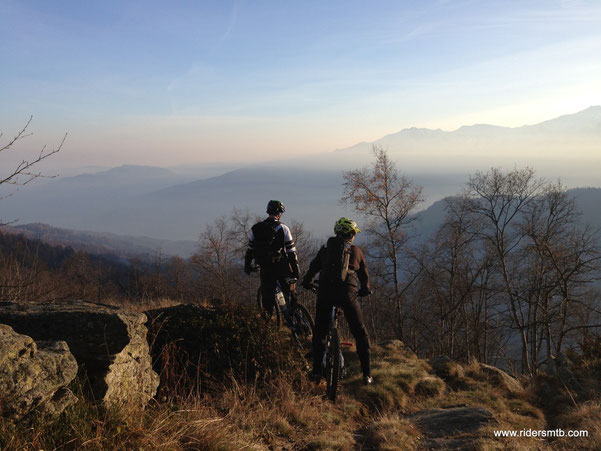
(501, 379)
(109, 344)
(34, 375)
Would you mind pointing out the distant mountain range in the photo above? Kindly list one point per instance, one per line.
(166, 205)
(104, 243)
(428, 222)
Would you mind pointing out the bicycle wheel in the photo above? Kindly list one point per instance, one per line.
(263, 312)
(333, 365)
(302, 325)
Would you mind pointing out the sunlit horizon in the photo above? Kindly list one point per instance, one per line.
(236, 82)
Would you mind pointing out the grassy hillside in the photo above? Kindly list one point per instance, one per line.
(280, 409)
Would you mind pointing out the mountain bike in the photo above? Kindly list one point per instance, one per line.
(294, 314)
(333, 360)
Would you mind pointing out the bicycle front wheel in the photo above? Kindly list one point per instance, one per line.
(333, 365)
(302, 325)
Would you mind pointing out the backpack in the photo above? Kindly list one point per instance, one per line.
(335, 268)
(266, 249)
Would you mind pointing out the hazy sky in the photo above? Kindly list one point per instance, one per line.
(167, 83)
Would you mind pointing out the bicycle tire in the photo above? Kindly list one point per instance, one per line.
(263, 312)
(333, 365)
(302, 325)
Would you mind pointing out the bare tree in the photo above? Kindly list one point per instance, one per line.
(24, 173)
(218, 260)
(241, 223)
(500, 199)
(545, 260)
(449, 310)
(564, 261)
(385, 198)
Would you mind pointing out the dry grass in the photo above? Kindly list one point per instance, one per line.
(288, 412)
(87, 426)
(401, 379)
(392, 432)
(241, 417)
(585, 417)
(145, 305)
(282, 415)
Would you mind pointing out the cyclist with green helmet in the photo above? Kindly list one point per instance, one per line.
(272, 247)
(342, 270)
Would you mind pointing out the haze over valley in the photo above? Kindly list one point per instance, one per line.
(176, 204)
(141, 141)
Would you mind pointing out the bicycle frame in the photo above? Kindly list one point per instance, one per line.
(288, 300)
(295, 315)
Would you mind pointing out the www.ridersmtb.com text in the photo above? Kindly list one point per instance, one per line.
(542, 433)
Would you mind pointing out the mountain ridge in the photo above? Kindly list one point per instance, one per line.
(101, 243)
(160, 203)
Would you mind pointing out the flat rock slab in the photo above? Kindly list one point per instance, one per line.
(108, 343)
(34, 375)
(437, 423)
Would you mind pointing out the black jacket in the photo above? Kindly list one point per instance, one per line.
(357, 267)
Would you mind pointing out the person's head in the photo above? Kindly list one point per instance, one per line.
(275, 208)
(346, 228)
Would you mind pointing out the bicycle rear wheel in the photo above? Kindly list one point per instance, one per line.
(276, 308)
(302, 325)
(333, 365)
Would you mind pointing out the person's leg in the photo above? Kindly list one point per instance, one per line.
(268, 282)
(354, 317)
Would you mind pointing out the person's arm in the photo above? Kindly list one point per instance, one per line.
(362, 273)
(314, 268)
(290, 250)
(248, 257)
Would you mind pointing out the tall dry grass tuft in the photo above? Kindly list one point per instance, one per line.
(391, 432)
(282, 413)
(279, 414)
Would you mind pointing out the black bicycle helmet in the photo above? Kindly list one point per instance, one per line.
(275, 207)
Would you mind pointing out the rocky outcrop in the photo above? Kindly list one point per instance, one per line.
(34, 375)
(451, 428)
(501, 379)
(109, 344)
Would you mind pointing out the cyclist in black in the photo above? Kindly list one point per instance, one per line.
(272, 247)
(343, 293)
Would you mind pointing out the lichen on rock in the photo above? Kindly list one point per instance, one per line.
(34, 375)
(108, 343)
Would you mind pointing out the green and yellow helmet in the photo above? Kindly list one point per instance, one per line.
(346, 226)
